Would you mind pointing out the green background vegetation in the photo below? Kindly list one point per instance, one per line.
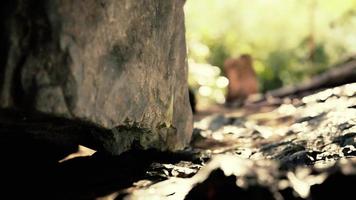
(290, 40)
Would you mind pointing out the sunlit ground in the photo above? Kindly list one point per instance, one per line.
(289, 40)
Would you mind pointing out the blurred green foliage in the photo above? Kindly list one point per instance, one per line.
(290, 40)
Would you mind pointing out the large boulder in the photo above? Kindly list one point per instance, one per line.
(119, 64)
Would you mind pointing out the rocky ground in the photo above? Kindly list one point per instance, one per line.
(300, 147)
(292, 148)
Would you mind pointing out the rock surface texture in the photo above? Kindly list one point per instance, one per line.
(301, 148)
(120, 65)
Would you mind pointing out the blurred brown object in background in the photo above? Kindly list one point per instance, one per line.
(242, 79)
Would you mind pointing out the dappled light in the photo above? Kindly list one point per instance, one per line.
(178, 99)
(289, 41)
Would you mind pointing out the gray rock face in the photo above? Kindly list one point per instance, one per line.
(120, 64)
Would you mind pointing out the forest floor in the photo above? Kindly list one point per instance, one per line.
(298, 147)
(290, 148)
